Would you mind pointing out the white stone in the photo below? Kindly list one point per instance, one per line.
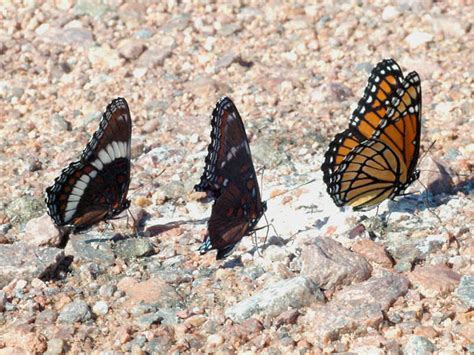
(418, 38)
(390, 13)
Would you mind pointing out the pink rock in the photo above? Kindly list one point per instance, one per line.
(329, 264)
(382, 290)
(153, 290)
(434, 280)
(287, 317)
(42, 231)
(373, 252)
(131, 49)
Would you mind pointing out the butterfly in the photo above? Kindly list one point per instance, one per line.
(229, 176)
(95, 187)
(375, 158)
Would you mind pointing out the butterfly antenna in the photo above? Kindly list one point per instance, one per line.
(293, 188)
(261, 177)
(141, 186)
(426, 151)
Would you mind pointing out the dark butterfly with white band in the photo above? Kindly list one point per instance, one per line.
(229, 176)
(95, 187)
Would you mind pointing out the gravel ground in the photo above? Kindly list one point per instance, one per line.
(331, 280)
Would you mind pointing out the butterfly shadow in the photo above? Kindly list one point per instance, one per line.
(157, 229)
(425, 200)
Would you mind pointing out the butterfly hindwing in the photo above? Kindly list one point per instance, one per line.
(95, 187)
(229, 176)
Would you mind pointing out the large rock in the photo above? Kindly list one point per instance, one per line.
(152, 291)
(133, 248)
(355, 308)
(77, 311)
(65, 36)
(465, 290)
(383, 290)
(418, 345)
(22, 261)
(373, 252)
(434, 280)
(41, 231)
(91, 247)
(273, 300)
(329, 264)
(330, 321)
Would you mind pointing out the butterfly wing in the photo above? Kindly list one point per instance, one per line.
(384, 81)
(229, 176)
(371, 110)
(95, 187)
(227, 136)
(383, 166)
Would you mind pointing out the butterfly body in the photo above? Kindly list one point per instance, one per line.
(229, 177)
(95, 187)
(375, 158)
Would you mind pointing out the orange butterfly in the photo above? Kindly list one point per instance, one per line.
(375, 158)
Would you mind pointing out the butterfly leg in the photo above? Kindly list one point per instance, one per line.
(255, 242)
(135, 223)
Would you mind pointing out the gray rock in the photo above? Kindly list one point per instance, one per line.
(3, 301)
(179, 23)
(154, 56)
(403, 266)
(133, 248)
(417, 345)
(145, 321)
(77, 311)
(277, 298)
(100, 308)
(382, 290)
(329, 264)
(22, 261)
(24, 208)
(55, 347)
(107, 290)
(46, 317)
(91, 247)
(225, 60)
(230, 29)
(465, 290)
(65, 36)
(90, 7)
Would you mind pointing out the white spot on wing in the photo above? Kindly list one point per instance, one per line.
(93, 174)
(123, 149)
(97, 164)
(68, 216)
(73, 198)
(80, 184)
(111, 152)
(104, 157)
(85, 179)
(71, 205)
(117, 151)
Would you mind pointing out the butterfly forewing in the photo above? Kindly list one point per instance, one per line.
(229, 176)
(371, 110)
(95, 187)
